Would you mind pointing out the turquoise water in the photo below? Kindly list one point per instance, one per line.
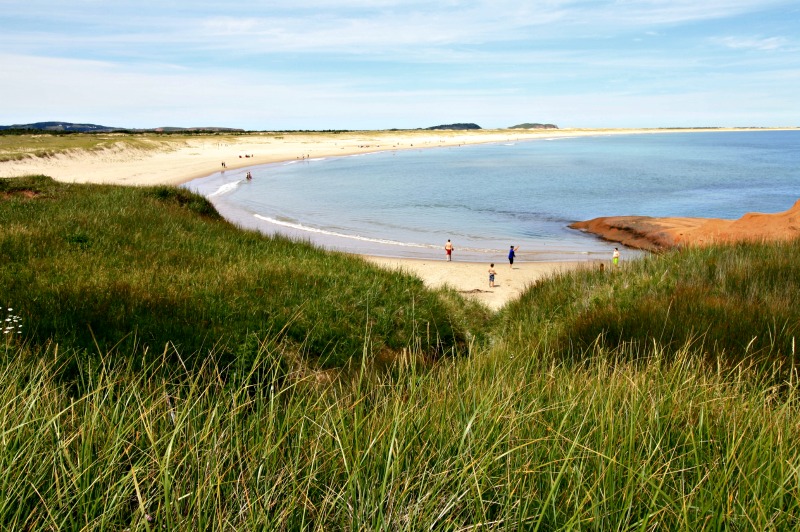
(488, 197)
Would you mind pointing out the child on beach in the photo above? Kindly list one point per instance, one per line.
(615, 257)
(492, 273)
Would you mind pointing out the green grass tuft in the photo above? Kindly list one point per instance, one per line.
(730, 302)
(99, 267)
(162, 371)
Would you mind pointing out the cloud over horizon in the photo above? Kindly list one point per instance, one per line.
(318, 64)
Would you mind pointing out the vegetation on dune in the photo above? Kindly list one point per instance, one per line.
(148, 379)
(100, 266)
(730, 302)
(23, 146)
(486, 442)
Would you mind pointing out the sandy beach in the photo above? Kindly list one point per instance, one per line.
(172, 160)
(471, 279)
(177, 159)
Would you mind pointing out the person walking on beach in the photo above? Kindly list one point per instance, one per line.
(511, 254)
(448, 249)
(492, 273)
(615, 257)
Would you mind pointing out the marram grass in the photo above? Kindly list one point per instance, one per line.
(100, 267)
(482, 443)
(731, 302)
(169, 375)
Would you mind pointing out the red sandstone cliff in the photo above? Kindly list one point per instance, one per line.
(656, 234)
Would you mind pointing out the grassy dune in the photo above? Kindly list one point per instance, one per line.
(16, 147)
(167, 376)
(101, 267)
(731, 303)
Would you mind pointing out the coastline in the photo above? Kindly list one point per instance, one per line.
(659, 234)
(174, 161)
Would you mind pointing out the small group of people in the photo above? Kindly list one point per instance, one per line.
(512, 253)
(248, 176)
(448, 251)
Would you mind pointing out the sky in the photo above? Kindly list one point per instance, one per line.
(406, 64)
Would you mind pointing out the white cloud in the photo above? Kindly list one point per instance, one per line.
(763, 44)
(388, 63)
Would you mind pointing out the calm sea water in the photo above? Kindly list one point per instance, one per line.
(488, 197)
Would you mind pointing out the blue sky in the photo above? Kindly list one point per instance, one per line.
(358, 64)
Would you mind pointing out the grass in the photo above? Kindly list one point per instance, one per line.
(479, 443)
(731, 302)
(17, 147)
(157, 385)
(103, 267)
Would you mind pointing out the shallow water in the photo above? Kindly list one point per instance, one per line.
(490, 196)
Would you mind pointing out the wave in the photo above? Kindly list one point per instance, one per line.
(224, 189)
(301, 227)
(533, 254)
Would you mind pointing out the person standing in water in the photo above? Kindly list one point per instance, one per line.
(448, 249)
(511, 254)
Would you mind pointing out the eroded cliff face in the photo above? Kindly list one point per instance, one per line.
(658, 234)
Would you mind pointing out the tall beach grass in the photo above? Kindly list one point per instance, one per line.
(101, 266)
(171, 371)
(489, 442)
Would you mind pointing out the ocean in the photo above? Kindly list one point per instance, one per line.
(488, 197)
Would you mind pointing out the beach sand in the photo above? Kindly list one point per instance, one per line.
(173, 160)
(177, 159)
(471, 279)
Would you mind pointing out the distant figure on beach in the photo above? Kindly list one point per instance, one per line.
(511, 254)
(492, 273)
(448, 249)
(223, 164)
(249, 176)
(615, 257)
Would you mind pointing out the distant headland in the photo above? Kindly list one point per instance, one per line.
(69, 127)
